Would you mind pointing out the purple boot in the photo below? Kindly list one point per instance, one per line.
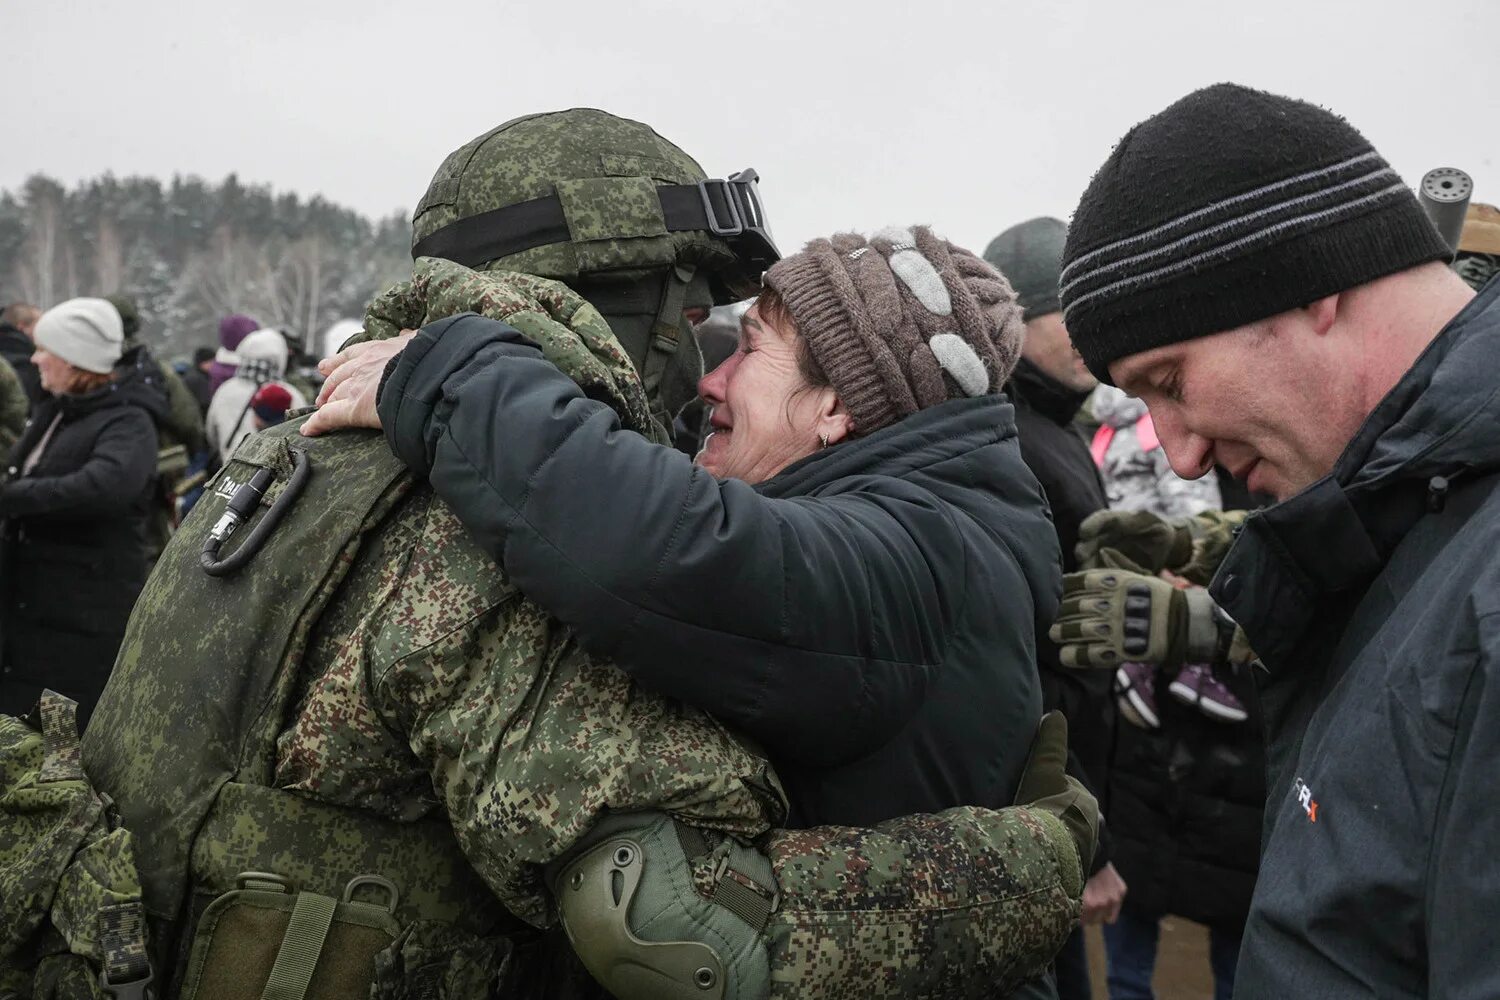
(1199, 686)
(1135, 687)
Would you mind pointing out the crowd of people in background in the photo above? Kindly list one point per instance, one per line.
(107, 448)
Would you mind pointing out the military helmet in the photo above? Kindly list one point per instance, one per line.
(583, 193)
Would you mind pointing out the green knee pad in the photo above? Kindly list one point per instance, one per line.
(628, 904)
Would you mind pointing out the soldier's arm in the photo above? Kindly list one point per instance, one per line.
(774, 614)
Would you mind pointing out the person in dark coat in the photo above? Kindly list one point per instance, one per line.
(1049, 387)
(75, 502)
(17, 322)
(1252, 268)
(195, 376)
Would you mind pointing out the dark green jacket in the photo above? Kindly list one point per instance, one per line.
(1373, 598)
(868, 614)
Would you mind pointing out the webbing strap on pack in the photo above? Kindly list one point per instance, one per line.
(122, 939)
(301, 946)
(62, 754)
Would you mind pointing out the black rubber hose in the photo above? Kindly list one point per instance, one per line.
(209, 559)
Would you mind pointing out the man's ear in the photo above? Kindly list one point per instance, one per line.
(1322, 313)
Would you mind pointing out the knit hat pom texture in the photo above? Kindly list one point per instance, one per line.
(901, 321)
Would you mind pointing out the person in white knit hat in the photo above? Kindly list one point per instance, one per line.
(75, 500)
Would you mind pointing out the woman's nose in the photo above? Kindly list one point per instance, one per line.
(711, 386)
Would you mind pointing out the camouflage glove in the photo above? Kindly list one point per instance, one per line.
(1111, 616)
(1046, 786)
(1136, 540)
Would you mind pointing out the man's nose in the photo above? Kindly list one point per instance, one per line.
(1190, 454)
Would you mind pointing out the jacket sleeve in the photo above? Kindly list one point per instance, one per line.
(122, 462)
(810, 623)
(1463, 895)
(13, 407)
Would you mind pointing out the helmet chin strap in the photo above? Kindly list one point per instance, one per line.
(647, 319)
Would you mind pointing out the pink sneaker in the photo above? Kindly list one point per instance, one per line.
(1135, 688)
(1197, 685)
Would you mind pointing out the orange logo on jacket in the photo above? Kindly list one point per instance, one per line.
(1305, 799)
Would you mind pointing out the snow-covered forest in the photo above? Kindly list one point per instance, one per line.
(191, 251)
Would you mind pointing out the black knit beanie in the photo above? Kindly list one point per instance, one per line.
(1230, 206)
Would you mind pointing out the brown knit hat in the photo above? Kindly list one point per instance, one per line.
(902, 321)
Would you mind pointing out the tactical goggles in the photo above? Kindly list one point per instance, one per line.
(730, 210)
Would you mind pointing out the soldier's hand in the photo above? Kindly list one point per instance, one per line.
(1110, 616)
(1132, 539)
(352, 387)
(1046, 785)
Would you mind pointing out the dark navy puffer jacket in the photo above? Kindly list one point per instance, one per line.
(868, 615)
(1373, 598)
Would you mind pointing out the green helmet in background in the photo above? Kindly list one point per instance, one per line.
(610, 208)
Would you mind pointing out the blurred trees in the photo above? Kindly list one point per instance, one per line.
(191, 251)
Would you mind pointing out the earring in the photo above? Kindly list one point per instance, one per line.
(824, 439)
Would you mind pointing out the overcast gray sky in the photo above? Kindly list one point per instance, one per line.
(969, 116)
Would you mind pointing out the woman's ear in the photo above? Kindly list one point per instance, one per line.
(834, 421)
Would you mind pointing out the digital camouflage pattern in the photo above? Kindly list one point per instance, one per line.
(449, 649)
(604, 170)
(965, 903)
(389, 689)
(70, 899)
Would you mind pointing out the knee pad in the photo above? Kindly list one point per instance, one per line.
(629, 904)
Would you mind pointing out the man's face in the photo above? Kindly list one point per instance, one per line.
(1272, 402)
(1047, 346)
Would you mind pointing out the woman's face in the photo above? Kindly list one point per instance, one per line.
(57, 375)
(764, 416)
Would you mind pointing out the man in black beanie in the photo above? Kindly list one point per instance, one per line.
(1048, 387)
(1256, 272)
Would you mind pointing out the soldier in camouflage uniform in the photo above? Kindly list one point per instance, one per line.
(354, 736)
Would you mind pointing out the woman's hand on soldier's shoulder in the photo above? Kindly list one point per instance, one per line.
(352, 388)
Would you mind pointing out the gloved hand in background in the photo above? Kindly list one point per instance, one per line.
(1135, 540)
(1110, 616)
(1046, 785)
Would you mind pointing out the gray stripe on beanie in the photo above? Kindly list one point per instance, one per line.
(1182, 264)
(1208, 210)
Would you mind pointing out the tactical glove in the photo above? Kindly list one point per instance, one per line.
(1111, 616)
(1135, 540)
(1214, 531)
(1046, 786)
